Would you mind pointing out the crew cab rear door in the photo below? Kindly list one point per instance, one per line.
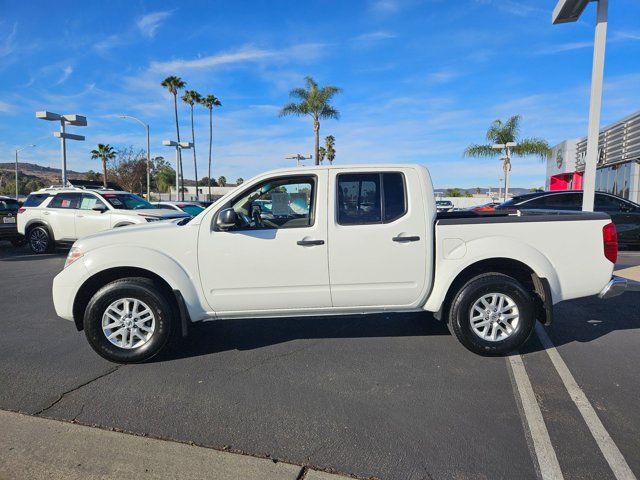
(378, 240)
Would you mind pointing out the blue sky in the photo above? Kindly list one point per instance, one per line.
(421, 79)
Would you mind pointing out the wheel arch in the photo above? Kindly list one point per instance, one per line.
(538, 285)
(38, 222)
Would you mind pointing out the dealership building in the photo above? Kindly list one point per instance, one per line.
(618, 169)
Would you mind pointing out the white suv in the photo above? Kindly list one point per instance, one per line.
(63, 215)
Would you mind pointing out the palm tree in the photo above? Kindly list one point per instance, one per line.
(222, 181)
(315, 102)
(322, 152)
(191, 97)
(173, 84)
(209, 102)
(330, 146)
(239, 181)
(104, 152)
(502, 133)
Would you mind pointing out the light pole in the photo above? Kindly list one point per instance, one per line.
(71, 119)
(179, 146)
(19, 150)
(569, 11)
(298, 157)
(145, 125)
(506, 163)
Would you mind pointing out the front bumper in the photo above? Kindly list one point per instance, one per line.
(617, 286)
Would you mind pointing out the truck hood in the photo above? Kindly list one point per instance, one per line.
(159, 213)
(130, 234)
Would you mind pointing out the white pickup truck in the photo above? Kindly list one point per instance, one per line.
(334, 240)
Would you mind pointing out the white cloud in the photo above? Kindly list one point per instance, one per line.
(442, 76)
(370, 38)
(5, 107)
(66, 73)
(307, 51)
(115, 40)
(564, 47)
(385, 6)
(7, 46)
(149, 23)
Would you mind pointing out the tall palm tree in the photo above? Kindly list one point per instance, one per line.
(173, 84)
(315, 102)
(502, 133)
(191, 97)
(104, 152)
(322, 153)
(330, 147)
(209, 102)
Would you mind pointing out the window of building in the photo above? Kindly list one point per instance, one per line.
(369, 198)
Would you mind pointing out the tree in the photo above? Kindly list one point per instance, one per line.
(321, 154)
(130, 169)
(504, 132)
(222, 181)
(91, 175)
(315, 102)
(191, 97)
(173, 84)
(165, 178)
(330, 146)
(209, 102)
(208, 182)
(478, 190)
(104, 152)
(454, 192)
(239, 181)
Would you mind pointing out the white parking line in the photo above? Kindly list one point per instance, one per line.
(608, 447)
(545, 454)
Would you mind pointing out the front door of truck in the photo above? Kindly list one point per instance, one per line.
(275, 258)
(378, 238)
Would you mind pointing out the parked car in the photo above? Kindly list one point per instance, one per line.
(192, 208)
(624, 213)
(444, 205)
(485, 207)
(488, 276)
(62, 215)
(8, 227)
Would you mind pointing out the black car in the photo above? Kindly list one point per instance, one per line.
(624, 213)
(8, 213)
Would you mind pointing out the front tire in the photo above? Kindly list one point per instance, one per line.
(492, 314)
(128, 320)
(40, 240)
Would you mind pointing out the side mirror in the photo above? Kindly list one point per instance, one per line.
(99, 208)
(227, 219)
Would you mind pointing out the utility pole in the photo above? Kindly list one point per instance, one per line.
(298, 157)
(179, 146)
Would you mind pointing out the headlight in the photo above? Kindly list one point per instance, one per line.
(74, 254)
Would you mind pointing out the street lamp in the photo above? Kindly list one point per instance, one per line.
(145, 125)
(506, 162)
(71, 119)
(298, 157)
(19, 150)
(179, 146)
(569, 11)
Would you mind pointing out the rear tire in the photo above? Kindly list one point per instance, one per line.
(40, 240)
(492, 314)
(128, 320)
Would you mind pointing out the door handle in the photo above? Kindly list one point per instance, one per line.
(406, 239)
(305, 243)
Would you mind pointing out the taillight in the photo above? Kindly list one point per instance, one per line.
(22, 210)
(610, 239)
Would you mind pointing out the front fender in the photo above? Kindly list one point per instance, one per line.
(487, 248)
(176, 275)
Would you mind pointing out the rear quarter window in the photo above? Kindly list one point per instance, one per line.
(35, 199)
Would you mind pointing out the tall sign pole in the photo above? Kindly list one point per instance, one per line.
(71, 119)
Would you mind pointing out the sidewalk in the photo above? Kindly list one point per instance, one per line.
(37, 448)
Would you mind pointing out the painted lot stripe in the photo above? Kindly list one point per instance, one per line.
(545, 454)
(608, 447)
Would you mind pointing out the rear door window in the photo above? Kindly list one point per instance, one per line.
(369, 198)
(89, 202)
(66, 201)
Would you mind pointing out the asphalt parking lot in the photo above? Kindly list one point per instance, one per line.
(386, 396)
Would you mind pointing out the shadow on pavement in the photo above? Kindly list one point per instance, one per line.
(216, 336)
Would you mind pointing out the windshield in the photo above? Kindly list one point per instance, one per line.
(127, 201)
(192, 210)
(9, 204)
